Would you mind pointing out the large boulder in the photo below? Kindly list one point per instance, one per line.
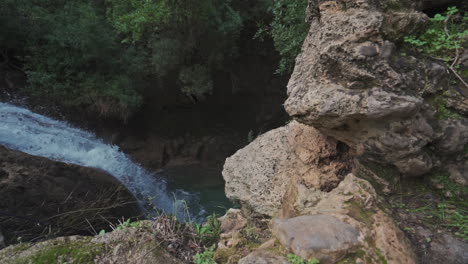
(39, 194)
(354, 201)
(295, 170)
(351, 83)
(320, 236)
(258, 176)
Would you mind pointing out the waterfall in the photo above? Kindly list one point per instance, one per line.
(23, 130)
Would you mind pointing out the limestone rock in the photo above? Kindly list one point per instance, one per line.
(127, 246)
(258, 175)
(231, 224)
(350, 83)
(321, 236)
(355, 202)
(37, 192)
(263, 257)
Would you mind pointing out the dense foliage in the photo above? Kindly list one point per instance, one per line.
(71, 55)
(288, 30)
(444, 38)
(107, 55)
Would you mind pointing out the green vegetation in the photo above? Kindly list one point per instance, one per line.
(358, 212)
(448, 215)
(208, 233)
(71, 55)
(443, 112)
(444, 39)
(351, 258)
(110, 56)
(73, 252)
(295, 259)
(452, 211)
(446, 209)
(127, 223)
(288, 30)
(206, 257)
(192, 39)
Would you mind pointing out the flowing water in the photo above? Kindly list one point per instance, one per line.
(23, 130)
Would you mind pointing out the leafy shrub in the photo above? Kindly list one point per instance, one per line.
(208, 233)
(444, 38)
(192, 39)
(206, 257)
(295, 259)
(288, 30)
(196, 81)
(72, 57)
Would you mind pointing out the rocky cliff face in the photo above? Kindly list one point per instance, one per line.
(356, 99)
(352, 83)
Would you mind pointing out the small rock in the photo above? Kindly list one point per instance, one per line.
(368, 51)
(231, 225)
(233, 220)
(263, 257)
(321, 236)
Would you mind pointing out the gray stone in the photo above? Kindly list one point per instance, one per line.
(321, 236)
(258, 175)
(263, 257)
(448, 250)
(350, 84)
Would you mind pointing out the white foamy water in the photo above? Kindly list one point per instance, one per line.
(23, 130)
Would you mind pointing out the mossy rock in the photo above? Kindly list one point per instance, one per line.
(127, 246)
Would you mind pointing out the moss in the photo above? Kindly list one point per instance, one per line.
(278, 249)
(386, 172)
(464, 73)
(381, 257)
(440, 105)
(442, 178)
(21, 247)
(249, 244)
(351, 259)
(74, 252)
(226, 255)
(374, 173)
(13, 250)
(395, 5)
(370, 258)
(358, 212)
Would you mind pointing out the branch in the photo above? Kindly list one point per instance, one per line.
(458, 76)
(457, 52)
